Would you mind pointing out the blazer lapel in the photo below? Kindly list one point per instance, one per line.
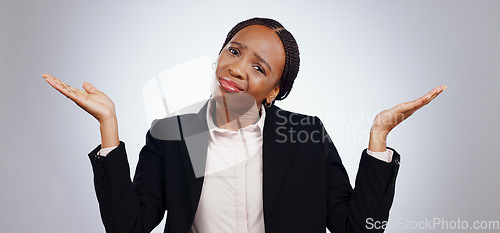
(277, 155)
(194, 133)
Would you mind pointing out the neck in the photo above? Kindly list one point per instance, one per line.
(234, 118)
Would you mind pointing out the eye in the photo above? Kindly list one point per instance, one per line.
(259, 69)
(233, 51)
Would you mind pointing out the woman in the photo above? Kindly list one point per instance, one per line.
(237, 165)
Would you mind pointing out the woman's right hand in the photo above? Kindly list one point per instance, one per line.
(96, 103)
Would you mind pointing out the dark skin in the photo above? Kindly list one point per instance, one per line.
(249, 66)
(254, 59)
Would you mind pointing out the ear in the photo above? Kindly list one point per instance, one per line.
(270, 98)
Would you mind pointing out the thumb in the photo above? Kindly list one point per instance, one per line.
(89, 88)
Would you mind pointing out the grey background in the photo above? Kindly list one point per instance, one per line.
(358, 57)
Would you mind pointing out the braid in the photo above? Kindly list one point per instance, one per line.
(292, 58)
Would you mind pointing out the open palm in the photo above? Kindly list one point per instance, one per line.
(95, 102)
(386, 120)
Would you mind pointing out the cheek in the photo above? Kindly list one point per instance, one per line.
(221, 65)
(260, 87)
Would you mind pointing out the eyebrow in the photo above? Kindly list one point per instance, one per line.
(257, 55)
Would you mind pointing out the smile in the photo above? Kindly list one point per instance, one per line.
(230, 85)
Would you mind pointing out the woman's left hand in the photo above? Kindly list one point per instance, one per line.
(386, 120)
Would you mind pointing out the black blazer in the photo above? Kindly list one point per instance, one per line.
(305, 185)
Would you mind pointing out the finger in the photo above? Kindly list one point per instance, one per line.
(432, 92)
(407, 106)
(89, 88)
(72, 93)
(49, 79)
(437, 91)
(76, 92)
(54, 82)
(422, 101)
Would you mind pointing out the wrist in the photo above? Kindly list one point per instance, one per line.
(377, 142)
(109, 120)
(109, 132)
(110, 117)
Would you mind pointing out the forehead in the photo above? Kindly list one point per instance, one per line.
(262, 41)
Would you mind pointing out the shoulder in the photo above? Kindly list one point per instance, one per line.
(281, 117)
(173, 127)
(287, 126)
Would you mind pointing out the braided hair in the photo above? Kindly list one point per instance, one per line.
(292, 59)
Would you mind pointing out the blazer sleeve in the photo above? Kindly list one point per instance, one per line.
(128, 206)
(356, 210)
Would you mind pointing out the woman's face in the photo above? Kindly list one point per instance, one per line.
(251, 63)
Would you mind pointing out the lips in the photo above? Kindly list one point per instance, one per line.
(230, 85)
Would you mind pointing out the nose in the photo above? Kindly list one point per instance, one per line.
(237, 69)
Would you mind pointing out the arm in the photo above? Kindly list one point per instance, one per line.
(127, 206)
(358, 210)
(348, 209)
